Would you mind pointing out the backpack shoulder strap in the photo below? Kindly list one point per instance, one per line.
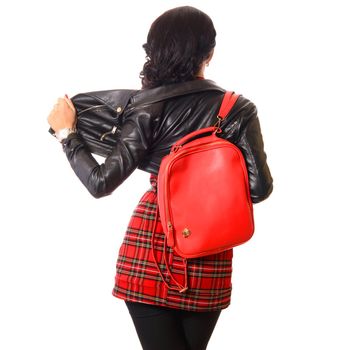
(227, 103)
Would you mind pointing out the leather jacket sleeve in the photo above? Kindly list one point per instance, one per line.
(245, 133)
(103, 179)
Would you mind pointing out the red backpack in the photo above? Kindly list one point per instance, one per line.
(203, 193)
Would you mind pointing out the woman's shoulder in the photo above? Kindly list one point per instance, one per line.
(243, 110)
(244, 104)
(242, 113)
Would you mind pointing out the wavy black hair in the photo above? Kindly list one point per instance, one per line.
(178, 43)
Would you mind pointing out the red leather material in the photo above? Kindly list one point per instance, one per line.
(227, 103)
(203, 194)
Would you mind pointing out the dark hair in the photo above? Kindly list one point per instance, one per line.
(177, 44)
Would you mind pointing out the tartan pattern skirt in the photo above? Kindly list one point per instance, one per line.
(137, 278)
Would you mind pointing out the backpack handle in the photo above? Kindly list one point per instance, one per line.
(190, 136)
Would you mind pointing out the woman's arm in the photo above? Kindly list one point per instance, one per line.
(252, 146)
(243, 129)
(131, 146)
(102, 179)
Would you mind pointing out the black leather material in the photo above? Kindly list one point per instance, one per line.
(153, 120)
(99, 118)
(100, 113)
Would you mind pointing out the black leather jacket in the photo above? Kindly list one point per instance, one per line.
(152, 124)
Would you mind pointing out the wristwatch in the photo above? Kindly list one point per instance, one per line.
(63, 133)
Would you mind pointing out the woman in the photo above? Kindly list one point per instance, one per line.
(175, 99)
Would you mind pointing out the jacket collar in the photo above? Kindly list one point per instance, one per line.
(165, 92)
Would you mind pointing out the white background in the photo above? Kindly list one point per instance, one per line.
(58, 245)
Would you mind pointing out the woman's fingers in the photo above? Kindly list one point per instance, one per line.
(69, 102)
(62, 114)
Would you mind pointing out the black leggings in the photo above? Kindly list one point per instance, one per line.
(161, 328)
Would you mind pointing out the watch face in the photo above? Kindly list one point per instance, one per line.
(62, 134)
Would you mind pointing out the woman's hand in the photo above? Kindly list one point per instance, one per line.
(63, 115)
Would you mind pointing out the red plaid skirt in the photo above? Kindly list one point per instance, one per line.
(137, 278)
